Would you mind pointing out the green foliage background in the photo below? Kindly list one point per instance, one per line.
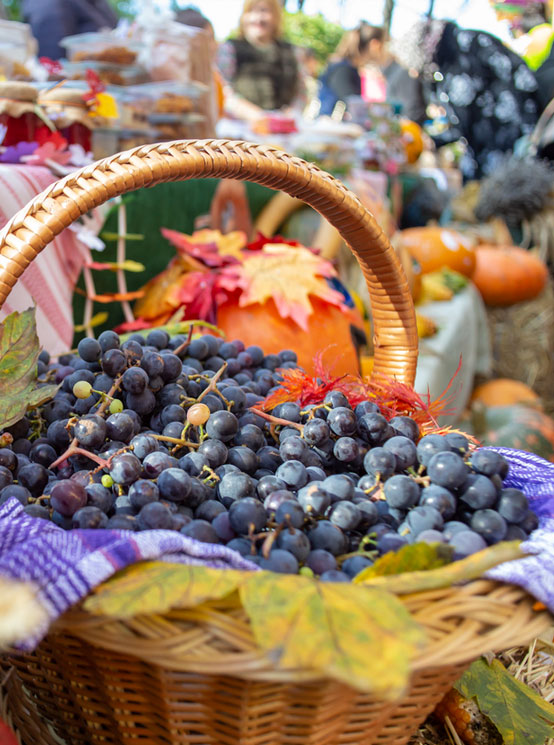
(313, 31)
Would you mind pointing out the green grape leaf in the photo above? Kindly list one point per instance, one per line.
(19, 351)
(361, 636)
(411, 558)
(520, 715)
(41, 395)
(156, 587)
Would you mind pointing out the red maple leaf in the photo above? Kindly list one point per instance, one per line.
(137, 325)
(260, 241)
(212, 253)
(201, 293)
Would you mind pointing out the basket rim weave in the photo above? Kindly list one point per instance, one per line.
(37, 224)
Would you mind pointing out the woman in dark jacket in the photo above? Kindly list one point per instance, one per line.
(52, 20)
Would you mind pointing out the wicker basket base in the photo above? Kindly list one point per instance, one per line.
(42, 706)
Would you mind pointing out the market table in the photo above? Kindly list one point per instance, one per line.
(48, 282)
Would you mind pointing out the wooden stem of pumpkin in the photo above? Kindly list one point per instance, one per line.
(74, 449)
(276, 419)
(90, 294)
(121, 251)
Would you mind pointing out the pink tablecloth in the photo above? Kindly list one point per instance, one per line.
(49, 281)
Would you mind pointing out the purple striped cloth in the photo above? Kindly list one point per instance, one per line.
(535, 477)
(66, 566)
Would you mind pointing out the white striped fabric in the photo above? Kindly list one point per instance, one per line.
(49, 281)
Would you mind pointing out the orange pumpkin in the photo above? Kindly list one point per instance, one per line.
(262, 324)
(505, 275)
(504, 392)
(435, 247)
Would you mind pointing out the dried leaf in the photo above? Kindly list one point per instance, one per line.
(97, 320)
(392, 397)
(161, 292)
(288, 275)
(110, 297)
(411, 558)
(472, 567)
(365, 638)
(19, 350)
(521, 716)
(156, 587)
(127, 266)
(211, 247)
(115, 236)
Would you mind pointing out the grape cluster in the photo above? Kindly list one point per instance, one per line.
(158, 432)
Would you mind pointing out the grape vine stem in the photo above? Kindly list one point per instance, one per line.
(74, 449)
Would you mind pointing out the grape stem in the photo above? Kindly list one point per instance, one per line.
(74, 449)
(212, 386)
(176, 441)
(276, 419)
(182, 347)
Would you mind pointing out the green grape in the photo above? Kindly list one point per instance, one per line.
(116, 406)
(306, 571)
(107, 480)
(82, 389)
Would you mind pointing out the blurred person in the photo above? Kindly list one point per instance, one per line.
(260, 68)
(309, 67)
(342, 77)
(401, 87)
(52, 20)
(488, 92)
(533, 41)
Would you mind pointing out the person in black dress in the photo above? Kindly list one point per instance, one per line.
(488, 92)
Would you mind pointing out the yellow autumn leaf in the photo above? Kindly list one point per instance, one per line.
(360, 636)
(228, 244)
(288, 275)
(156, 587)
(96, 320)
(472, 567)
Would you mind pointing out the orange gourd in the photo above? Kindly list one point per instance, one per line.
(505, 392)
(435, 247)
(505, 275)
(262, 324)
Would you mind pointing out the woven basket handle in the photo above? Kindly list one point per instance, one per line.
(31, 229)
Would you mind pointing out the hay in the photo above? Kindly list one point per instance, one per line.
(522, 338)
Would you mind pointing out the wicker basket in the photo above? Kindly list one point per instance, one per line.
(196, 677)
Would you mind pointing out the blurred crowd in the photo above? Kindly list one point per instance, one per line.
(488, 94)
